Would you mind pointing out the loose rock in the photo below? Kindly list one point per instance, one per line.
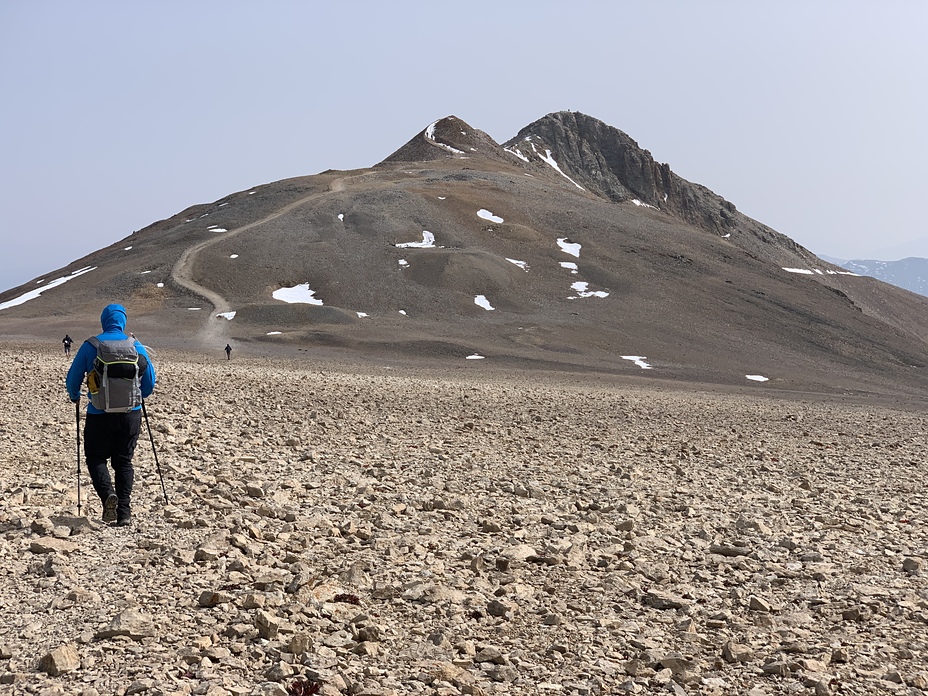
(453, 533)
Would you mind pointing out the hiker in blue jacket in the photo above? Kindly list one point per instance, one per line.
(110, 436)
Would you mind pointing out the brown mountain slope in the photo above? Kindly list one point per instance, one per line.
(557, 250)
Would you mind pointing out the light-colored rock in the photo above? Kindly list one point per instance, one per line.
(267, 624)
(729, 550)
(132, 623)
(519, 552)
(737, 652)
(51, 545)
(660, 599)
(914, 566)
(140, 686)
(64, 658)
(77, 525)
(212, 598)
(498, 608)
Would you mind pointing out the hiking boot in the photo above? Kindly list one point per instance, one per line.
(124, 519)
(109, 508)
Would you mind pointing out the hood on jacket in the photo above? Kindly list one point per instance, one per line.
(113, 318)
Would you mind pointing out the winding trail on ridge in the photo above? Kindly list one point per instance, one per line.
(213, 331)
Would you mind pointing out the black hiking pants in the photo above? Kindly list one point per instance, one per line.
(112, 436)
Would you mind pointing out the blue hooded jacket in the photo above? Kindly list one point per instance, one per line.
(113, 321)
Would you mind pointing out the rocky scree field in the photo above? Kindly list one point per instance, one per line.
(373, 532)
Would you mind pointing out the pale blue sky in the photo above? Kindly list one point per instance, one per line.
(809, 116)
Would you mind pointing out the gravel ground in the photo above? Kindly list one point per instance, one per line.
(380, 532)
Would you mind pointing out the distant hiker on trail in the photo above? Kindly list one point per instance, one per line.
(119, 375)
(228, 350)
(67, 345)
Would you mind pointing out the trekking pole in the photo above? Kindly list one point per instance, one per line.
(155, 452)
(77, 413)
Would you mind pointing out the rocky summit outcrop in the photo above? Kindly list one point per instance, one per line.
(608, 162)
(601, 158)
(381, 533)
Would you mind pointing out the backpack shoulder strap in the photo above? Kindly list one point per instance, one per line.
(142, 361)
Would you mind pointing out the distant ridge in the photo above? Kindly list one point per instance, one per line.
(909, 273)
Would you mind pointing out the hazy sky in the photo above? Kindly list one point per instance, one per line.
(810, 117)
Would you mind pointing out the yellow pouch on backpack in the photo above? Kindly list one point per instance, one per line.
(92, 384)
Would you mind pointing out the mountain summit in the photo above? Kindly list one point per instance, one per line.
(607, 162)
(446, 138)
(567, 247)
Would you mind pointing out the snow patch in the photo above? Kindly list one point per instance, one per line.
(570, 265)
(639, 360)
(297, 294)
(428, 242)
(551, 161)
(569, 247)
(32, 294)
(580, 287)
(226, 315)
(521, 264)
(757, 378)
(482, 301)
(475, 356)
(487, 215)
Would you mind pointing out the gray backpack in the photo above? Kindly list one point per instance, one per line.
(115, 380)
